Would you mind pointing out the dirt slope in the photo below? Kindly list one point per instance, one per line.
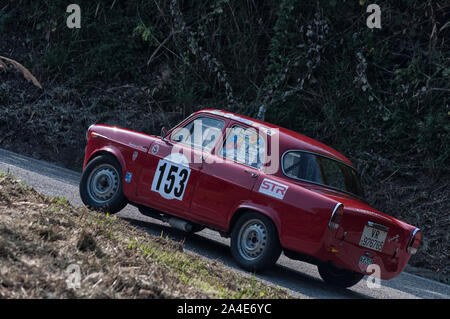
(44, 241)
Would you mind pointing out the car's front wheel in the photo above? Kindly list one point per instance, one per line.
(338, 276)
(254, 242)
(101, 185)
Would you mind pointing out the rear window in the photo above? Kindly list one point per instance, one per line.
(321, 170)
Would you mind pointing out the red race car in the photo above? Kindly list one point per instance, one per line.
(268, 188)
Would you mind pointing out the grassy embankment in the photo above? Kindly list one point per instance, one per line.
(42, 238)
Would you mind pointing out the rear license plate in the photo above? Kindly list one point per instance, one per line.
(373, 238)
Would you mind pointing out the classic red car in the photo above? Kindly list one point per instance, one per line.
(268, 188)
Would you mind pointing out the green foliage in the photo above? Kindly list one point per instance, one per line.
(315, 65)
(103, 48)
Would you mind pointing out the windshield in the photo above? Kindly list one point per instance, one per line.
(321, 170)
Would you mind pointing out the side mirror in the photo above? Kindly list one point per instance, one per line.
(163, 132)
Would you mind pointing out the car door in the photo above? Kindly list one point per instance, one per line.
(228, 176)
(173, 164)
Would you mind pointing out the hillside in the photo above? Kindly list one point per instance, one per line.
(49, 249)
(380, 96)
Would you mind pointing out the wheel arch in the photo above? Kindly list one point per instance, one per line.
(111, 152)
(250, 207)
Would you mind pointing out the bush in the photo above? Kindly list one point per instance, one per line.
(315, 67)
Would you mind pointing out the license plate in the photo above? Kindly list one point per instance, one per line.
(373, 238)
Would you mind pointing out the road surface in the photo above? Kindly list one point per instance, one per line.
(299, 278)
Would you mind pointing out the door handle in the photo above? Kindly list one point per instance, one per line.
(252, 174)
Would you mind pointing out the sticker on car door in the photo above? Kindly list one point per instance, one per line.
(171, 176)
(272, 188)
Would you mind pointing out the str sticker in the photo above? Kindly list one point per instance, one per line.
(272, 188)
(171, 176)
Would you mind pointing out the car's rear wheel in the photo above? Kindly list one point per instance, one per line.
(254, 242)
(338, 276)
(101, 185)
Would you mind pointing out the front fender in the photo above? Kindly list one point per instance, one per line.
(110, 149)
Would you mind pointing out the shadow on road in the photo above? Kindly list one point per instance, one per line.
(282, 276)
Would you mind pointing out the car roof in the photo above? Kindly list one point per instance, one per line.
(288, 139)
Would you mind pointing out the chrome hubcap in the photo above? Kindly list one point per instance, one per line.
(252, 239)
(103, 183)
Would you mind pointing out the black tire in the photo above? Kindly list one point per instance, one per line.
(254, 242)
(339, 277)
(106, 173)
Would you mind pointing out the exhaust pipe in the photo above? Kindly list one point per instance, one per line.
(179, 224)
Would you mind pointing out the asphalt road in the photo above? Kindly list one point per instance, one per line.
(300, 279)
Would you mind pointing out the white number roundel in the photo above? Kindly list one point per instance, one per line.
(171, 176)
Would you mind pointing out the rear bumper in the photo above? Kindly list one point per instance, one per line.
(348, 255)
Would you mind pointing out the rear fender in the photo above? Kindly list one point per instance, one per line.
(249, 206)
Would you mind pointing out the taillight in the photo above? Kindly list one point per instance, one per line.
(414, 242)
(336, 216)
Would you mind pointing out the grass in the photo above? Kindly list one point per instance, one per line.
(42, 237)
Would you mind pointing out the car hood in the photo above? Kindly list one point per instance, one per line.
(123, 136)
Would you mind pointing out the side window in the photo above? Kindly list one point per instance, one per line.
(322, 170)
(334, 175)
(292, 164)
(245, 146)
(303, 166)
(201, 133)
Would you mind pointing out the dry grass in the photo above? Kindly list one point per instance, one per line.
(41, 238)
